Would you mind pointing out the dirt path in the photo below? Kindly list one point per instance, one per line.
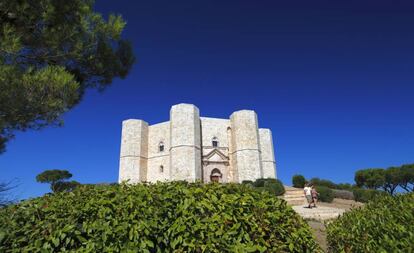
(316, 223)
(319, 231)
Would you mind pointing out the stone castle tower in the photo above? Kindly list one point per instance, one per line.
(190, 147)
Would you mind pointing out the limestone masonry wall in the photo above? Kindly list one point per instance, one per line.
(185, 153)
(246, 145)
(268, 156)
(243, 152)
(159, 161)
(134, 152)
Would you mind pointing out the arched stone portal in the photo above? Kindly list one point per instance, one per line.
(216, 176)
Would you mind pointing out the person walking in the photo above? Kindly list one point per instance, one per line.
(308, 194)
(315, 195)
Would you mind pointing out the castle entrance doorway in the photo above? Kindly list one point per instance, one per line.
(216, 176)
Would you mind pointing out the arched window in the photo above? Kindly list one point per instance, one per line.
(214, 142)
(161, 147)
(161, 169)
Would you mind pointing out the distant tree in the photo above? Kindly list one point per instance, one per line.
(57, 180)
(5, 188)
(407, 177)
(50, 53)
(370, 178)
(392, 179)
(66, 185)
(387, 179)
(298, 181)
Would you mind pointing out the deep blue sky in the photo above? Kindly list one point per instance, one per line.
(334, 80)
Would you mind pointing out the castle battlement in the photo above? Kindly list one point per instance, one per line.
(189, 147)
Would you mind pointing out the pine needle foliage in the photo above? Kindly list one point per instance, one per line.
(51, 51)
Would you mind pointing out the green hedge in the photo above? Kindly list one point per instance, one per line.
(298, 181)
(343, 194)
(163, 217)
(325, 194)
(274, 186)
(365, 195)
(249, 182)
(383, 225)
(330, 184)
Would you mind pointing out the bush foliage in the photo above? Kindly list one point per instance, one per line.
(328, 183)
(365, 195)
(343, 194)
(298, 181)
(163, 217)
(274, 186)
(383, 225)
(325, 194)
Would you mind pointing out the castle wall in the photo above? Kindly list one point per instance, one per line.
(211, 128)
(232, 175)
(244, 152)
(267, 153)
(134, 153)
(246, 145)
(185, 152)
(209, 168)
(158, 161)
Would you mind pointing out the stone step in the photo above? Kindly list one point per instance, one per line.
(294, 191)
(294, 195)
(319, 213)
(294, 202)
(294, 198)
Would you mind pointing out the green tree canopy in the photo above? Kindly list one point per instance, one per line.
(50, 53)
(370, 178)
(392, 179)
(407, 177)
(388, 179)
(56, 179)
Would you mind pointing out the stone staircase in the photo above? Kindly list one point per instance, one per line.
(294, 196)
(320, 213)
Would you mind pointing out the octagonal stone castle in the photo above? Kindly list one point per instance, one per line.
(190, 147)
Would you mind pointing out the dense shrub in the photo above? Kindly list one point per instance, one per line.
(330, 184)
(249, 182)
(343, 194)
(325, 194)
(163, 217)
(275, 187)
(365, 195)
(383, 225)
(323, 182)
(344, 186)
(298, 181)
(261, 181)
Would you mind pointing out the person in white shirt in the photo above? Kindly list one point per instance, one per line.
(308, 194)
